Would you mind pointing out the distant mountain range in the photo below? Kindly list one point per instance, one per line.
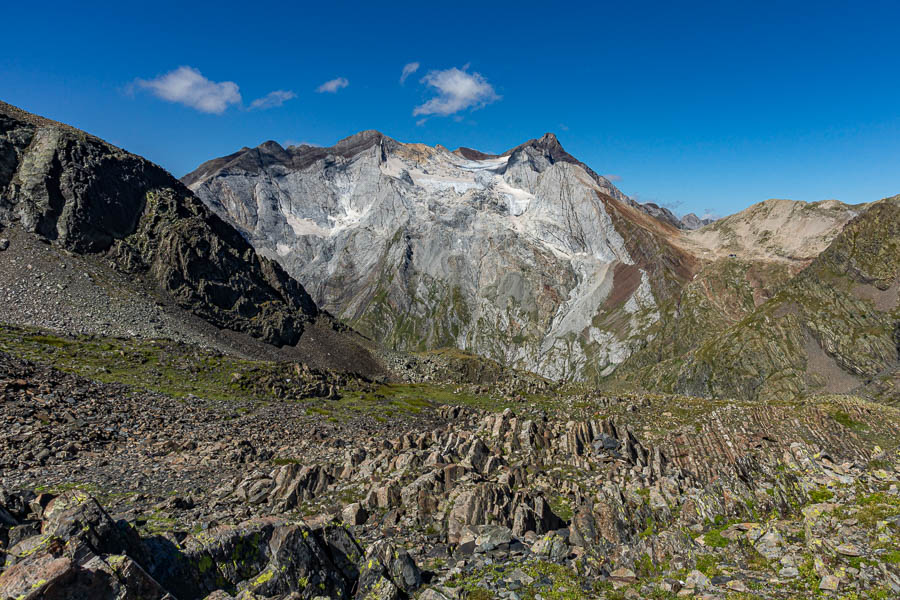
(528, 257)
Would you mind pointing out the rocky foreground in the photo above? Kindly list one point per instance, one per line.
(114, 492)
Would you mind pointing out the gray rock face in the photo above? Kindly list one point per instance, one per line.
(520, 257)
(691, 221)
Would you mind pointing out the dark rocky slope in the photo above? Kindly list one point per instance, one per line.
(93, 200)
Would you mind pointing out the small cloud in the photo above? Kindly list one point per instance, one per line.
(457, 90)
(187, 86)
(421, 122)
(333, 86)
(408, 70)
(563, 126)
(674, 205)
(613, 178)
(710, 213)
(272, 100)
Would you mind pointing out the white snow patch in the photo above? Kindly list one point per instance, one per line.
(305, 226)
(440, 184)
(351, 217)
(517, 200)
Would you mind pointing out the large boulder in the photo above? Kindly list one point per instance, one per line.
(82, 552)
(387, 573)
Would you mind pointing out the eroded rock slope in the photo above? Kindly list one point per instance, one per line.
(101, 204)
(833, 327)
(529, 257)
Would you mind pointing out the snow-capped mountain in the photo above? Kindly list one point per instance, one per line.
(528, 257)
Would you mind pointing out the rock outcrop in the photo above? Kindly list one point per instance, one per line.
(645, 495)
(90, 197)
(81, 552)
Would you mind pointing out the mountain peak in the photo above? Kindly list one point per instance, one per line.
(548, 139)
(365, 134)
(549, 144)
(359, 142)
(148, 225)
(271, 146)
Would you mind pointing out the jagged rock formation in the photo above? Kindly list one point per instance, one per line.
(529, 257)
(81, 552)
(507, 488)
(123, 220)
(89, 197)
(833, 327)
(583, 491)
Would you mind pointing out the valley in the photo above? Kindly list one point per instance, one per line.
(385, 370)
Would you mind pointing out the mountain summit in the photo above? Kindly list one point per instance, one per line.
(529, 257)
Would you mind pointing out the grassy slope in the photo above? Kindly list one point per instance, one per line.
(764, 355)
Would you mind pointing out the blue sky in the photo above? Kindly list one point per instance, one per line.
(697, 106)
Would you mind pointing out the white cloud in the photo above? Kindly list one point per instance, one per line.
(673, 205)
(333, 86)
(457, 90)
(408, 70)
(186, 85)
(272, 100)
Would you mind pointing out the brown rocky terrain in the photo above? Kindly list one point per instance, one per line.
(571, 493)
(832, 327)
(774, 230)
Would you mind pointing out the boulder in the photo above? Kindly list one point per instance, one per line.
(82, 553)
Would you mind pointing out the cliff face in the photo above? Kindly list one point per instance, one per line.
(89, 197)
(529, 257)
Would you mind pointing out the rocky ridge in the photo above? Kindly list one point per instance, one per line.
(775, 230)
(529, 258)
(833, 327)
(135, 223)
